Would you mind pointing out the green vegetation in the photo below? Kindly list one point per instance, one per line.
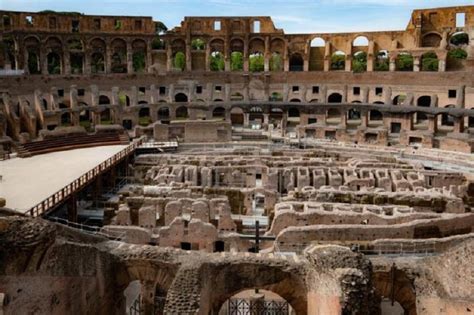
(118, 25)
(54, 64)
(33, 64)
(160, 27)
(276, 62)
(404, 62)
(179, 61)
(106, 122)
(144, 121)
(217, 61)
(338, 62)
(359, 63)
(60, 12)
(460, 39)
(236, 61)
(382, 62)
(157, 43)
(256, 63)
(198, 44)
(457, 53)
(429, 62)
(139, 61)
(122, 98)
(86, 124)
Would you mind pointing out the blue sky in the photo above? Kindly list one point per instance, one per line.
(294, 16)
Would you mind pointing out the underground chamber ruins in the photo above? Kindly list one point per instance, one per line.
(226, 167)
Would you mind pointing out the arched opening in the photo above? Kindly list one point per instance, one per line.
(54, 63)
(276, 97)
(85, 119)
(429, 62)
(237, 54)
(276, 62)
(144, 118)
(404, 62)
(382, 61)
(66, 119)
(181, 98)
(124, 100)
(459, 39)
(237, 116)
(256, 58)
(275, 117)
(293, 113)
(431, 40)
(395, 287)
(296, 62)
(133, 297)
(119, 56)
(295, 100)
(338, 61)
(375, 116)
(76, 55)
(333, 116)
(164, 114)
(97, 56)
(217, 62)
(179, 61)
(423, 101)
(446, 121)
(335, 98)
(353, 118)
(198, 44)
(359, 62)
(360, 41)
(32, 47)
(182, 113)
(139, 50)
(256, 117)
(253, 302)
(318, 42)
(218, 112)
(104, 100)
(470, 122)
(256, 62)
(106, 117)
(399, 99)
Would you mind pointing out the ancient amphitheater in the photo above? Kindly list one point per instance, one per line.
(226, 167)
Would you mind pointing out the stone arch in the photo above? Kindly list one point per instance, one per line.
(422, 101)
(106, 116)
(54, 61)
(338, 60)
(399, 99)
(296, 62)
(432, 39)
(404, 62)
(163, 113)
(76, 55)
(119, 56)
(459, 39)
(181, 98)
(237, 54)
(360, 41)
(237, 116)
(335, 98)
(256, 45)
(359, 61)
(182, 112)
(104, 100)
(295, 100)
(198, 44)
(218, 112)
(270, 278)
(354, 115)
(139, 53)
(144, 118)
(429, 61)
(382, 61)
(98, 47)
(396, 284)
(256, 113)
(446, 119)
(318, 42)
(32, 47)
(216, 60)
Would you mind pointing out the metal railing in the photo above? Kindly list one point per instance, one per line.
(90, 229)
(60, 196)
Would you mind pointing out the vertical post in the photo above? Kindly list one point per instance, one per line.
(392, 276)
(257, 240)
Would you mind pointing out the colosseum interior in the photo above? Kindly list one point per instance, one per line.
(226, 167)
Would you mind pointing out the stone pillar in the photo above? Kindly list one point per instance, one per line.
(416, 63)
(393, 64)
(44, 62)
(189, 62)
(246, 119)
(458, 124)
(327, 57)
(388, 95)
(148, 298)
(364, 117)
(461, 95)
(208, 58)
(432, 123)
(169, 58)
(87, 63)
(267, 55)
(371, 57)
(108, 59)
(66, 64)
(442, 63)
(129, 58)
(149, 57)
(348, 66)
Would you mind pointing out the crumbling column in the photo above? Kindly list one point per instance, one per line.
(327, 57)
(129, 58)
(416, 63)
(458, 124)
(370, 57)
(66, 63)
(169, 58)
(87, 63)
(108, 59)
(393, 64)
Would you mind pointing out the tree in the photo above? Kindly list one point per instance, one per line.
(157, 43)
(460, 39)
(160, 27)
(217, 61)
(198, 44)
(359, 63)
(180, 61)
(405, 62)
(457, 53)
(338, 62)
(236, 61)
(276, 62)
(429, 62)
(382, 62)
(139, 61)
(256, 63)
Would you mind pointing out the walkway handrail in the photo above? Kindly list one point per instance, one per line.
(61, 195)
